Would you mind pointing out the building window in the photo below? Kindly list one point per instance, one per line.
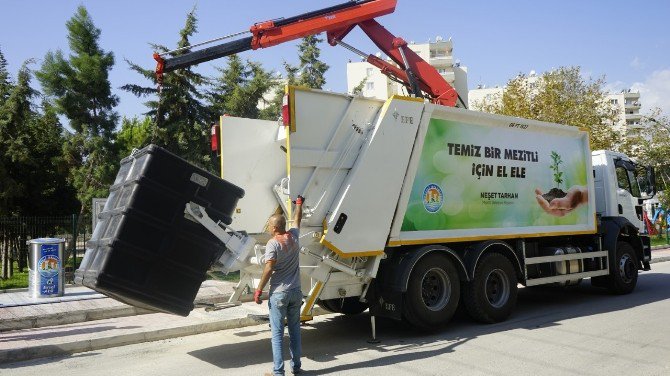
(614, 101)
(368, 71)
(369, 86)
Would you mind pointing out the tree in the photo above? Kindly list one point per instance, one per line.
(80, 90)
(15, 113)
(561, 96)
(312, 70)
(135, 133)
(240, 88)
(31, 176)
(5, 83)
(273, 109)
(652, 147)
(181, 120)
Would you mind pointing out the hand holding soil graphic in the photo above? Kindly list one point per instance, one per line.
(561, 206)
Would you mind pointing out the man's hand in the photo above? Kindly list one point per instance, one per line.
(257, 296)
(299, 200)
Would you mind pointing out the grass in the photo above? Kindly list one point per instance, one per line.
(18, 280)
(655, 240)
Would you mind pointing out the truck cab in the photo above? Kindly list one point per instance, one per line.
(621, 186)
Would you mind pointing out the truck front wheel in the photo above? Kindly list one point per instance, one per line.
(433, 291)
(623, 270)
(491, 295)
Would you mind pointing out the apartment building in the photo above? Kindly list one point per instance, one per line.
(437, 53)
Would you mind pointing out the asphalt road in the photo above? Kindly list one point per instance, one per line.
(584, 331)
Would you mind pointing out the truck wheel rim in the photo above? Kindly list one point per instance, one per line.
(497, 288)
(626, 268)
(435, 289)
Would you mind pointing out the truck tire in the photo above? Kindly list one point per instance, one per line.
(491, 295)
(348, 306)
(433, 291)
(623, 270)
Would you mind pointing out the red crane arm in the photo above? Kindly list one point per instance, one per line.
(337, 21)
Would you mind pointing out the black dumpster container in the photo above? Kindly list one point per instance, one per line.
(144, 251)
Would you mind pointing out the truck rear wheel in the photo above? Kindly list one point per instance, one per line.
(432, 293)
(623, 270)
(491, 295)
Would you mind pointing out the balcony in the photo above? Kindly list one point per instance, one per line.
(441, 61)
(633, 117)
(628, 94)
(633, 105)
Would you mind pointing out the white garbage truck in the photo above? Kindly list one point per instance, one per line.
(412, 206)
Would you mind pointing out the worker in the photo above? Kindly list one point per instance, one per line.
(282, 270)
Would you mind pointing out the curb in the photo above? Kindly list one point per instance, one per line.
(67, 348)
(84, 315)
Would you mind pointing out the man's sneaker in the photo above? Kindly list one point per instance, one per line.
(296, 371)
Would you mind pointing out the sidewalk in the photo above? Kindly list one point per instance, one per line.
(29, 330)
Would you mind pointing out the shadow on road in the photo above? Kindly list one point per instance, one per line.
(327, 340)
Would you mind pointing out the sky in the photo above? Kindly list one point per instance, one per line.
(626, 42)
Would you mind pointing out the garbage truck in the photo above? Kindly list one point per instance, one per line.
(412, 205)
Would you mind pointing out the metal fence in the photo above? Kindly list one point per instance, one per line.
(16, 231)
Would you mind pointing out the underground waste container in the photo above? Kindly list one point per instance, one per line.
(45, 267)
(144, 250)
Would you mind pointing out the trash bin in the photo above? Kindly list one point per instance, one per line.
(45, 267)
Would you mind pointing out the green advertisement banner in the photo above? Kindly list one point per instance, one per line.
(474, 176)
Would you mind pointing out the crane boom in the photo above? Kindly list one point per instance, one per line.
(337, 21)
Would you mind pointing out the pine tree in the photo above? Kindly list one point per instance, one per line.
(80, 89)
(312, 70)
(16, 112)
(181, 120)
(135, 133)
(5, 83)
(240, 88)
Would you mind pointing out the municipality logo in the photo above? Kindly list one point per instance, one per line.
(432, 198)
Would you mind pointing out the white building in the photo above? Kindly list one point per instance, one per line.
(627, 105)
(437, 53)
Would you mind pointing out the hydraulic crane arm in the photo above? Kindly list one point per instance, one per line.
(337, 21)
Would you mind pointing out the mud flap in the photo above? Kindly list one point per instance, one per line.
(386, 303)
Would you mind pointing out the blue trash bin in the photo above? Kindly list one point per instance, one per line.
(45, 267)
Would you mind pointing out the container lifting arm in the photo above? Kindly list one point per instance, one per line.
(337, 21)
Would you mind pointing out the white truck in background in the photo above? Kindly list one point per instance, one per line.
(412, 208)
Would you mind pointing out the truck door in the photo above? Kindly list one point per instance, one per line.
(628, 192)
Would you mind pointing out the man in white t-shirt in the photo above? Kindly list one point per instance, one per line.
(282, 254)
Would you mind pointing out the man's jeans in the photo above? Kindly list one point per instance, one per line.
(285, 305)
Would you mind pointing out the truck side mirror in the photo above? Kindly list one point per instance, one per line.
(651, 179)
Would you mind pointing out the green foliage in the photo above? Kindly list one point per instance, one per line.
(358, 89)
(561, 96)
(652, 147)
(181, 120)
(31, 171)
(5, 84)
(558, 175)
(80, 90)
(240, 88)
(273, 109)
(134, 134)
(312, 70)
